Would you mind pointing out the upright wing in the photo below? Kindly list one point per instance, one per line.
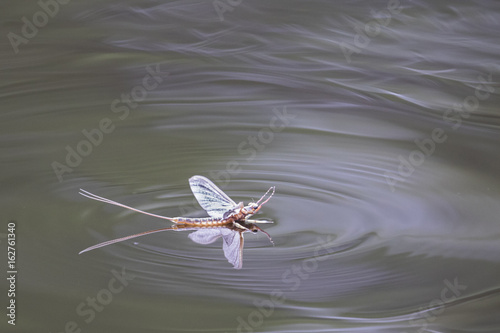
(233, 247)
(210, 197)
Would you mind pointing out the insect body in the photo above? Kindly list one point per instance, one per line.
(227, 219)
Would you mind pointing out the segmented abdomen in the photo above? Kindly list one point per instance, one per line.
(206, 222)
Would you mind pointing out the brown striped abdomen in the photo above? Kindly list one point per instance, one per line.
(206, 222)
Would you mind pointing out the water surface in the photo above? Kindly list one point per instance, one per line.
(377, 121)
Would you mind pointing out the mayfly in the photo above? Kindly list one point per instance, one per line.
(227, 219)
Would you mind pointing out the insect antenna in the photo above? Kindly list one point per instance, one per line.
(271, 188)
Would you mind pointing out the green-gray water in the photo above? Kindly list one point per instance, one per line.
(377, 121)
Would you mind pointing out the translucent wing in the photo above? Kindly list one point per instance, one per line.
(205, 236)
(210, 197)
(232, 242)
(233, 247)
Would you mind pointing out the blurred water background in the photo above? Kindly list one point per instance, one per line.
(377, 121)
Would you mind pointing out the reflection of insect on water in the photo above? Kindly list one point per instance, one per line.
(227, 219)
